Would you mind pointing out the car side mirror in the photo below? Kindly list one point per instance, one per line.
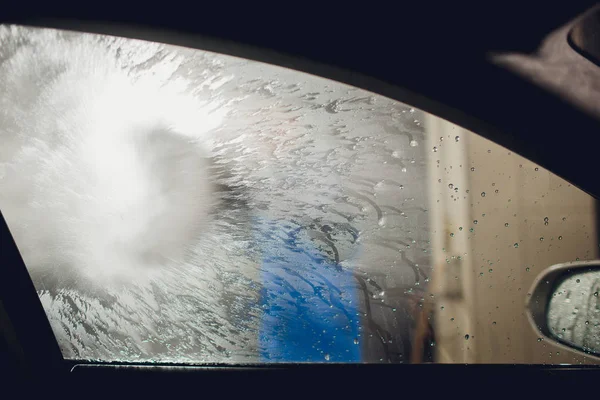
(564, 305)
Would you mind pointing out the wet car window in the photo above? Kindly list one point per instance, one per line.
(175, 205)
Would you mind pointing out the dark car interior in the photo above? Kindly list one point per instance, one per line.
(438, 58)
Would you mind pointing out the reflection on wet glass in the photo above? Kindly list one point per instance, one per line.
(574, 311)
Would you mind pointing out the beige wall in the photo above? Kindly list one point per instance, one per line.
(489, 306)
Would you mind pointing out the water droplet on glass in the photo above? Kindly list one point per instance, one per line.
(457, 138)
(466, 337)
(506, 224)
(527, 269)
(451, 186)
(482, 194)
(475, 222)
(578, 281)
(452, 235)
(460, 228)
(516, 245)
(536, 168)
(472, 168)
(356, 341)
(403, 169)
(327, 357)
(490, 270)
(560, 238)
(542, 239)
(496, 191)
(435, 149)
(413, 143)
(539, 339)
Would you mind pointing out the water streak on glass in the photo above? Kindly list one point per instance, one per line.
(175, 205)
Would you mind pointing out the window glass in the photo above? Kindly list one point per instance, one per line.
(176, 205)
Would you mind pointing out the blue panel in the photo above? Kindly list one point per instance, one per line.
(310, 305)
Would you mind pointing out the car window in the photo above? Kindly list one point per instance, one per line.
(181, 206)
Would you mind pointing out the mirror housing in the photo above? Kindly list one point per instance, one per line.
(556, 299)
